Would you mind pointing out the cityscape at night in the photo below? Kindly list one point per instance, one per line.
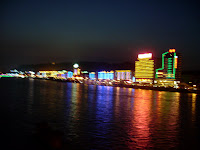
(100, 75)
(145, 74)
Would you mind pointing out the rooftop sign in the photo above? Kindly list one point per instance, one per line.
(145, 55)
(172, 50)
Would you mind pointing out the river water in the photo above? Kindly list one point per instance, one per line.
(98, 117)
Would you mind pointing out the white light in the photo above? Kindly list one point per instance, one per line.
(75, 65)
(146, 55)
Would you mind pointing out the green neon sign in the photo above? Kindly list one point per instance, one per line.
(163, 63)
(171, 66)
(169, 69)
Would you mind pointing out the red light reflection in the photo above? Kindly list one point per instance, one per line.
(140, 130)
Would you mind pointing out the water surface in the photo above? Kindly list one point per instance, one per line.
(99, 117)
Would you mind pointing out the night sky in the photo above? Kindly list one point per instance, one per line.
(35, 32)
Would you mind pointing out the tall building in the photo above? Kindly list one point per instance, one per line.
(171, 66)
(179, 67)
(144, 68)
(77, 71)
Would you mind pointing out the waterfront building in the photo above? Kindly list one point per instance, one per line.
(144, 68)
(52, 74)
(92, 76)
(106, 75)
(69, 74)
(123, 74)
(30, 74)
(77, 70)
(61, 74)
(169, 74)
(46, 74)
(85, 74)
(14, 73)
(171, 66)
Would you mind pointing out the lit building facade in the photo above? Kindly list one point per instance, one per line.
(47, 74)
(144, 68)
(106, 75)
(56, 74)
(171, 66)
(69, 74)
(92, 76)
(85, 74)
(123, 74)
(77, 71)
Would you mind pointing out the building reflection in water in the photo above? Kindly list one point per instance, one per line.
(139, 133)
(75, 101)
(104, 111)
(45, 100)
(154, 115)
(104, 117)
(142, 119)
(30, 98)
(72, 112)
(194, 96)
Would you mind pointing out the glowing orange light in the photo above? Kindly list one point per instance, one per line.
(176, 62)
(172, 50)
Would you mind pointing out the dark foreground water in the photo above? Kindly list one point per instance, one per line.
(98, 117)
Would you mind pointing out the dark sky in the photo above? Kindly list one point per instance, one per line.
(35, 32)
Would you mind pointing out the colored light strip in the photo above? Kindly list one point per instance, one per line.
(174, 69)
(163, 63)
(176, 61)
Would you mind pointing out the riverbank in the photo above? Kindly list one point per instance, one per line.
(89, 82)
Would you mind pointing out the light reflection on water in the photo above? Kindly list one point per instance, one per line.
(194, 97)
(104, 117)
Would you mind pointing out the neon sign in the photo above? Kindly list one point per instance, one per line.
(170, 65)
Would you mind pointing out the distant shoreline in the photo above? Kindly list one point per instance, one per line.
(123, 85)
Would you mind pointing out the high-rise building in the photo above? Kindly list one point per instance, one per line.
(179, 67)
(144, 68)
(171, 66)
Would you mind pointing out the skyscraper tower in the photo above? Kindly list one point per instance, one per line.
(144, 68)
(171, 66)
